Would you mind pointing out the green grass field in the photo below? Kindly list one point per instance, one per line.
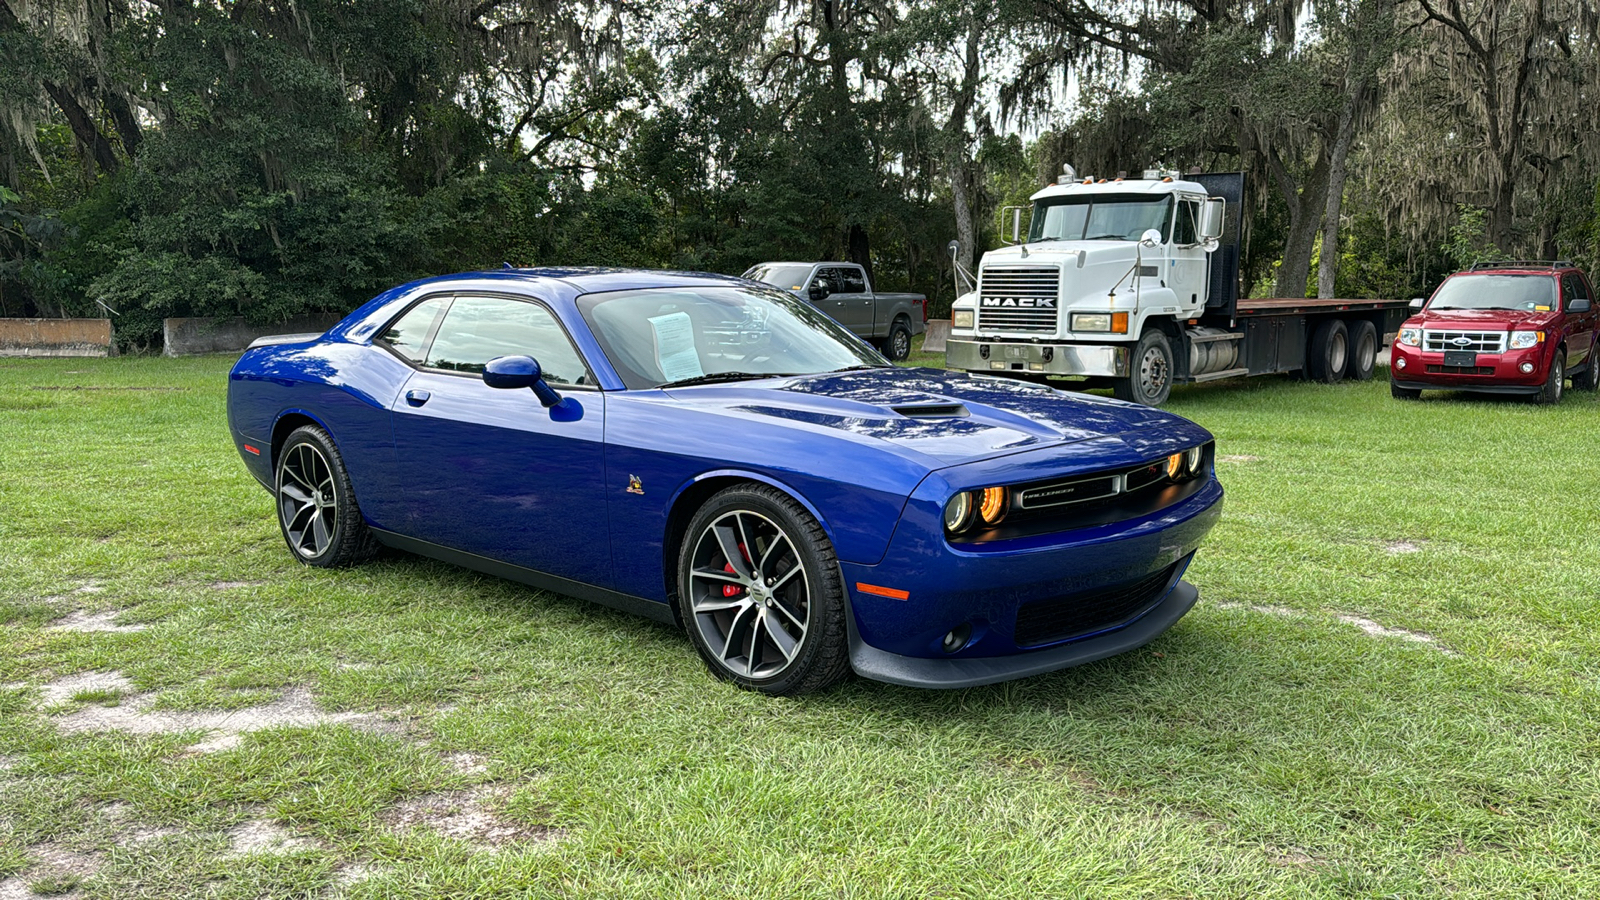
(1388, 689)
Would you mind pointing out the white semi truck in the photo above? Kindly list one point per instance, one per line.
(1134, 282)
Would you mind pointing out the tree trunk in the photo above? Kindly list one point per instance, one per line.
(1328, 261)
(1305, 214)
(861, 250)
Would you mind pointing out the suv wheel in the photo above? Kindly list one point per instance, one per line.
(1551, 392)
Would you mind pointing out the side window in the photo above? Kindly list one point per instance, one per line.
(829, 277)
(855, 281)
(478, 329)
(409, 334)
(1569, 290)
(1186, 230)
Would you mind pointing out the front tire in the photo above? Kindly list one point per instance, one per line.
(897, 346)
(1400, 393)
(1329, 351)
(1551, 392)
(761, 594)
(1363, 351)
(317, 511)
(1150, 381)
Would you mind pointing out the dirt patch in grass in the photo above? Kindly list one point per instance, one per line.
(56, 871)
(262, 836)
(1292, 858)
(135, 715)
(467, 763)
(100, 621)
(129, 830)
(62, 690)
(1377, 630)
(468, 816)
(231, 585)
(1397, 548)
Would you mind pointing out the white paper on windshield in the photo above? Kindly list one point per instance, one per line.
(675, 346)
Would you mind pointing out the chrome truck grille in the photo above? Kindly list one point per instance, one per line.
(1019, 299)
(1479, 341)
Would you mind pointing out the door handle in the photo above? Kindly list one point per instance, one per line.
(417, 398)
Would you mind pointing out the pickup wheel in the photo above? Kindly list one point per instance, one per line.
(1329, 351)
(897, 346)
(1589, 378)
(1551, 392)
(1363, 350)
(1150, 382)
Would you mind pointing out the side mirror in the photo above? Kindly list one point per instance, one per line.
(954, 248)
(512, 372)
(1415, 304)
(1150, 238)
(1016, 224)
(1578, 305)
(820, 289)
(1211, 218)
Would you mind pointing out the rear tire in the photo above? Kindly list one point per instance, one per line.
(1550, 394)
(1589, 378)
(1363, 351)
(317, 511)
(1329, 352)
(1150, 381)
(897, 346)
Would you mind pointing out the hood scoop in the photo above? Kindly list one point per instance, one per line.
(932, 410)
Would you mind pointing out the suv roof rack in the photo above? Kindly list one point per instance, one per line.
(1522, 264)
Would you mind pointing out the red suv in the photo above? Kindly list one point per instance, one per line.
(1503, 328)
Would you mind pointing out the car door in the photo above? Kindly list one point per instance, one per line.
(1581, 327)
(826, 292)
(855, 302)
(486, 470)
(1186, 257)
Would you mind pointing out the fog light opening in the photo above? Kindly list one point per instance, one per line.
(957, 638)
(1400, 363)
(1526, 368)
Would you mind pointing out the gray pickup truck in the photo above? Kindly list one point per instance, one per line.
(841, 290)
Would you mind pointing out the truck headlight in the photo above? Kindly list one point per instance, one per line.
(961, 318)
(1522, 340)
(1411, 337)
(1108, 322)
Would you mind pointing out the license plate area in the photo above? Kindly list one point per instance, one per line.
(1461, 358)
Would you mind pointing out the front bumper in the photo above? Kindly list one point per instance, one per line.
(1413, 368)
(1045, 359)
(992, 588)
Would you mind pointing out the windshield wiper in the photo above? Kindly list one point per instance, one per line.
(715, 377)
(1102, 237)
(858, 368)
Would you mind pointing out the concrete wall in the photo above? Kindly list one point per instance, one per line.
(186, 337)
(55, 337)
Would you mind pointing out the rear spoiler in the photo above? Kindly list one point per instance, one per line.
(273, 340)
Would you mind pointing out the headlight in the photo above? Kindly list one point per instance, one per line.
(1411, 337)
(1115, 323)
(1522, 340)
(1191, 460)
(958, 513)
(992, 506)
(961, 318)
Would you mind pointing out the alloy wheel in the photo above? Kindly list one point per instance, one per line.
(749, 595)
(308, 504)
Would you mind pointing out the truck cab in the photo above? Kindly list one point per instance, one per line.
(1102, 261)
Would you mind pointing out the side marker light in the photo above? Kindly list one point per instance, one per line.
(875, 590)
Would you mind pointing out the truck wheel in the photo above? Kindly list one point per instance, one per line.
(1150, 382)
(897, 345)
(1363, 351)
(1589, 378)
(1330, 348)
(1400, 393)
(1551, 392)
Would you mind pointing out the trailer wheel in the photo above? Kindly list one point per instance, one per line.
(1363, 350)
(1150, 381)
(1330, 349)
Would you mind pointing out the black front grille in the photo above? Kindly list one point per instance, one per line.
(1460, 370)
(1086, 612)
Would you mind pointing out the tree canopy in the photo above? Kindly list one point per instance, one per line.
(266, 158)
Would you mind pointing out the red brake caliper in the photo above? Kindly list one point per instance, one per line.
(734, 590)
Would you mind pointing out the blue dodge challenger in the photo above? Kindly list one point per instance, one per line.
(710, 451)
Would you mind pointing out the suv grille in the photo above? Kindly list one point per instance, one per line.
(1019, 299)
(1480, 341)
(1087, 612)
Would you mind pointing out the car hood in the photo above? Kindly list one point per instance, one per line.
(945, 417)
(1484, 319)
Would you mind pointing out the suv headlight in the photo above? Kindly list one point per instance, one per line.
(1522, 340)
(961, 318)
(1411, 337)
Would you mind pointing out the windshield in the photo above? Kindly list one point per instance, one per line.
(660, 336)
(1108, 218)
(1531, 292)
(789, 276)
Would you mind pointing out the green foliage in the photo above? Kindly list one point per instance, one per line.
(1467, 241)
